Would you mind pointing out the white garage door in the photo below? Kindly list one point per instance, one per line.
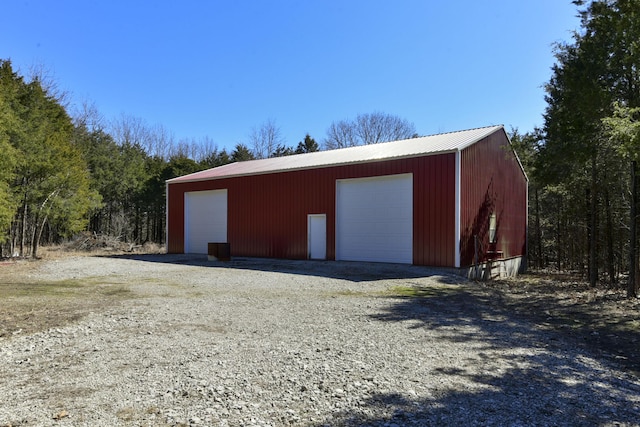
(205, 219)
(374, 219)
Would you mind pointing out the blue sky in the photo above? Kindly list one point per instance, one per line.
(219, 68)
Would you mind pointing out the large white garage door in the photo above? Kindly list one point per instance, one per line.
(205, 219)
(374, 219)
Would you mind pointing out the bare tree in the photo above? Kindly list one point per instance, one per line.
(265, 139)
(341, 134)
(187, 148)
(368, 129)
(88, 117)
(206, 148)
(130, 130)
(195, 149)
(160, 142)
(380, 127)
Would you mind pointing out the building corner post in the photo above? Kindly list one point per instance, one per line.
(457, 209)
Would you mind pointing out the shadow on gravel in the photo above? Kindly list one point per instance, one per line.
(344, 270)
(606, 325)
(551, 380)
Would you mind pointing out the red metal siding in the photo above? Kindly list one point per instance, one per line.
(267, 214)
(175, 219)
(492, 182)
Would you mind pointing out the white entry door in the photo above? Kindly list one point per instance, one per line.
(317, 230)
(205, 219)
(374, 219)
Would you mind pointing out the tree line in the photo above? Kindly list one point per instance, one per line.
(62, 173)
(582, 162)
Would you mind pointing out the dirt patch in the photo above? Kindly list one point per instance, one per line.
(29, 304)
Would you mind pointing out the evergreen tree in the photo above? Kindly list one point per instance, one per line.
(50, 178)
(598, 68)
(282, 150)
(623, 128)
(214, 159)
(241, 153)
(8, 161)
(308, 145)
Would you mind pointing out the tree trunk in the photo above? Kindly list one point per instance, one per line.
(538, 231)
(611, 268)
(589, 231)
(37, 237)
(593, 225)
(631, 284)
(23, 231)
(147, 226)
(34, 235)
(559, 236)
(14, 235)
(137, 226)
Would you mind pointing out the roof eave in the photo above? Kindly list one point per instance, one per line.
(179, 180)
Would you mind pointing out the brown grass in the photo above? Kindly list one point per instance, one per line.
(29, 304)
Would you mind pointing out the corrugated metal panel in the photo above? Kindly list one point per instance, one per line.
(175, 219)
(428, 145)
(435, 223)
(492, 182)
(268, 213)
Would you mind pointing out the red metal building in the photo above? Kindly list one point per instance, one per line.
(457, 200)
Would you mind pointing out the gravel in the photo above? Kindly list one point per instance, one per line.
(275, 343)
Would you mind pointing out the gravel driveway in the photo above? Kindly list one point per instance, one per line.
(277, 343)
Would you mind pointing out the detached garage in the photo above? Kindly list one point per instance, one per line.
(457, 200)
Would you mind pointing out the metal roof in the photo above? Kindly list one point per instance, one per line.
(426, 145)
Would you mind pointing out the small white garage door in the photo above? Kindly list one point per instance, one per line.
(374, 219)
(205, 219)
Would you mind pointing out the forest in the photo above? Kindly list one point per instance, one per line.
(65, 171)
